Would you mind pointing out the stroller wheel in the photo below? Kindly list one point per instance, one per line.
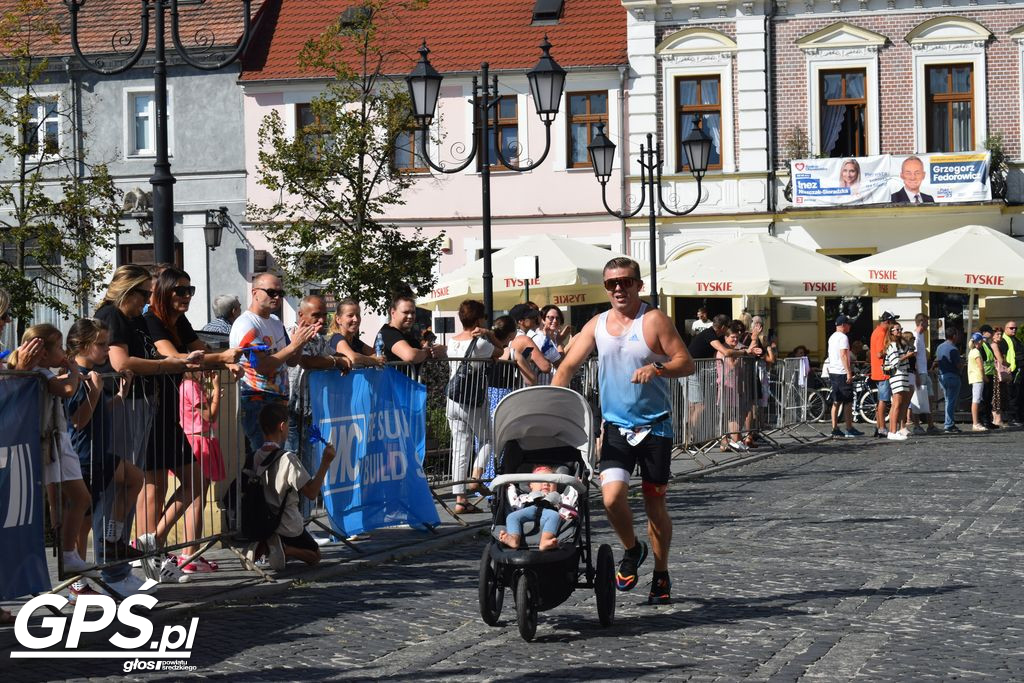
(526, 606)
(604, 585)
(491, 591)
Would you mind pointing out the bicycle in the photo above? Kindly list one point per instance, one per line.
(865, 401)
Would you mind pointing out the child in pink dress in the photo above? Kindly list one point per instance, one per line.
(199, 406)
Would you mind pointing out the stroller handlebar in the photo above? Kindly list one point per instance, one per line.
(561, 479)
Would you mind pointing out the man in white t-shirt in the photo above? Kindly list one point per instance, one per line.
(921, 401)
(701, 323)
(840, 372)
(266, 379)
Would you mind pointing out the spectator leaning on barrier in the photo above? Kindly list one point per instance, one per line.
(469, 419)
(345, 336)
(546, 335)
(839, 364)
(174, 337)
(1001, 379)
(266, 376)
(527, 318)
(701, 323)
(395, 341)
(226, 309)
(113, 483)
(1014, 355)
(876, 352)
(317, 354)
(283, 480)
(948, 364)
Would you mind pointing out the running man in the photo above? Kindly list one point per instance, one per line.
(638, 350)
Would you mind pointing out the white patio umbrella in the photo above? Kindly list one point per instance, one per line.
(757, 265)
(571, 272)
(974, 257)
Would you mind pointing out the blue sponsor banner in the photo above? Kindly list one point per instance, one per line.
(376, 420)
(23, 564)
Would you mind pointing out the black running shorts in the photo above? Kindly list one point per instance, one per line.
(653, 455)
(303, 541)
(842, 391)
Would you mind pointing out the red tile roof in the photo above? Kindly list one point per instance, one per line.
(460, 33)
(108, 26)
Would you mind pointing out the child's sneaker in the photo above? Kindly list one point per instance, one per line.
(76, 566)
(79, 588)
(167, 571)
(627, 576)
(661, 589)
(129, 585)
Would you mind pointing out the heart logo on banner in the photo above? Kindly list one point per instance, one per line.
(799, 165)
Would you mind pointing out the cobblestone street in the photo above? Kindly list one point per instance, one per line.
(867, 560)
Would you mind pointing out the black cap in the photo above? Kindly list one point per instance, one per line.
(843, 320)
(523, 311)
(986, 329)
(888, 317)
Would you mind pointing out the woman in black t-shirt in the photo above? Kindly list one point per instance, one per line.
(132, 353)
(345, 339)
(174, 337)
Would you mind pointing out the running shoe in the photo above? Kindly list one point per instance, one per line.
(980, 428)
(933, 430)
(897, 436)
(918, 430)
(881, 433)
(79, 588)
(628, 574)
(853, 433)
(661, 590)
(129, 585)
(952, 430)
(837, 433)
(76, 566)
(164, 569)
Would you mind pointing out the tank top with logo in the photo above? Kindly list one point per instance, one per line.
(623, 403)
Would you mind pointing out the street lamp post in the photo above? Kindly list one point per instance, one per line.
(697, 147)
(547, 79)
(153, 12)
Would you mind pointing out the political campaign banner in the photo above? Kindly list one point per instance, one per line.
(376, 420)
(22, 572)
(911, 179)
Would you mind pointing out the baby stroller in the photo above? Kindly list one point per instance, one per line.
(543, 425)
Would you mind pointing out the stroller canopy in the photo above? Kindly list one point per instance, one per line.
(544, 416)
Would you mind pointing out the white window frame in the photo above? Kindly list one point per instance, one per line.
(698, 52)
(836, 47)
(949, 40)
(39, 100)
(131, 151)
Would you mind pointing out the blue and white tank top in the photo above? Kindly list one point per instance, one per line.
(623, 403)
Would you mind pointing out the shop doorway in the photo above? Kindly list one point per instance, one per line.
(946, 310)
(858, 310)
(685, 311)
(581, 315)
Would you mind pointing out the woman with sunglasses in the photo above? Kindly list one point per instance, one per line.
(132, 352)
(174, 337)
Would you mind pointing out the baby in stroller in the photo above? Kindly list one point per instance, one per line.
(544, 498)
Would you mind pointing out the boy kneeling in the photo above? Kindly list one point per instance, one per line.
(284, 479)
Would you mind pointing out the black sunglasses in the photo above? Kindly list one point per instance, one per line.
(146, 294)
(184, 290)
(272, 293)
(624, 282)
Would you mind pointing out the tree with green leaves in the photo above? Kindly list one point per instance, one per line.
(336, 177)
(58, 209)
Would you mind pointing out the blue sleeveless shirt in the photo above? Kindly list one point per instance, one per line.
(623, 403)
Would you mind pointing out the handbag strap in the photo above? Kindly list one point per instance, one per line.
(469, 351)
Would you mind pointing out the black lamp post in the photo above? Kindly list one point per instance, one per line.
(153, 12)
(546, 82)
(697, 147)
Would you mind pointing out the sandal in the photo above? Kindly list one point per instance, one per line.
(467, 508)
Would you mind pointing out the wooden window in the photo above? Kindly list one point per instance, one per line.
(507, 131)
(949, 107)
(307, 125)
(142, 255)
(844, 103)
(408, 154)
(42, 128)
(586, 110)
(699, 95)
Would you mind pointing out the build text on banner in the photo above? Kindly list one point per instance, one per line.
(376, 420)
(23, 565)
(884, 179)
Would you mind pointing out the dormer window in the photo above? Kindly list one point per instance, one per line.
(547, 11)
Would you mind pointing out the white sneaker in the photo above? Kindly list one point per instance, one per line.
(145, 542)
(169, 572)
(129, 585)
(905, 432)
(896, 436)
(980, 428)
(275, 552)
(75, 565)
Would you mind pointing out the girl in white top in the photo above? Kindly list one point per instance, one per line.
(469, 421)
